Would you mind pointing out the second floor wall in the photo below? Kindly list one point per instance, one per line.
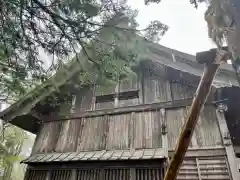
(145, 87)
(138, 130)
(126, 116)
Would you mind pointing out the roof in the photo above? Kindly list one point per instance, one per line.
(97, 155)
(187, 63)
(157, 54)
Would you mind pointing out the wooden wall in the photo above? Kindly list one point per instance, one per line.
(206, 134)
(129, 130)
(152, 88)
(125, 131)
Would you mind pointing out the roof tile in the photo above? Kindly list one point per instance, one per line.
(107, 155)
(98, 155)
(116, 155)
(159, 153)
(89, 155)
(79, 156)
(137, 154)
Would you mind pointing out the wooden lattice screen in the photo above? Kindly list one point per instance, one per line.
(97, 174)
(36, 174)
(211, 168)
(104, 173)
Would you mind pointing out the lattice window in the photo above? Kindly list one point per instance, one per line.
(36, 174)
(87, 174)
(132, 172)
(116, 174)
(61, 175)
(149, 174)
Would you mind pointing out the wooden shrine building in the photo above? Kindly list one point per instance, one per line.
(129, 132)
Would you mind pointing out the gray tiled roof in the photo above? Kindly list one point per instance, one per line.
(97, 155)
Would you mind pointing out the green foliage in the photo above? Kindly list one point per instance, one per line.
(60, 29)
(13, 142)
(154, 34)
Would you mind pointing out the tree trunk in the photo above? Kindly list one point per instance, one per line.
(233, 36)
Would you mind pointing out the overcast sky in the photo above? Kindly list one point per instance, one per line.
(187, 27)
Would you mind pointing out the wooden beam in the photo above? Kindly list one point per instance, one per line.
(207, 57)
(129, 109)
(231, 157)
(199, 100)
(203, 152)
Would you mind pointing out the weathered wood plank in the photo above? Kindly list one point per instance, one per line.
(207, 130)
(156, 89)
(182, 91)
(48, 134)
(137, 108)
(157, 121)
(62, 138)
(117, 137)
(174, 124)
(49, 140)
(131, 130)
(72, 136)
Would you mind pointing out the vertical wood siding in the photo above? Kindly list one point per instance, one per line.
(182, 91)
(131, 130)
(68, 136)
(92, 134)
(47, 137)
(207, 130)
(152, 88)
(174, 120)
(118, 137)
(156, 90)
(206, 134)
(125, 131)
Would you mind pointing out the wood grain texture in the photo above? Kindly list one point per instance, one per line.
(206, 133)
(48, 137)
(199, 100)
(127, 130)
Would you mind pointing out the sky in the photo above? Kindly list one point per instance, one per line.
(187, 27)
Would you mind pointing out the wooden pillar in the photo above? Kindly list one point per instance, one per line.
(232, 159)
(132, 173)
(164, 131)
(48, 177)
(74, 175)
